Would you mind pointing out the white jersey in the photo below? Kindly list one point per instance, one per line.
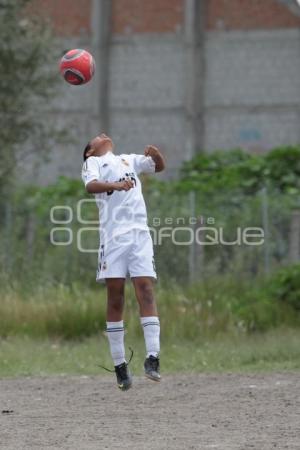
(119, 211)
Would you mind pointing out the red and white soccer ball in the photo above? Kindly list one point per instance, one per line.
(77, 66)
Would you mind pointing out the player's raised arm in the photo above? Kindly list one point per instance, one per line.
(98, 187)
(157, 157)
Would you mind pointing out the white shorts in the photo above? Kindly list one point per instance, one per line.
(131, 253)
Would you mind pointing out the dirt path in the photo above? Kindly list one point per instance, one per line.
(224, 412)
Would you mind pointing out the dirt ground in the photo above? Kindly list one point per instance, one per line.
(206, 411)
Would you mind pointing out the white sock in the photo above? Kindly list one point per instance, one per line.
(151, 329)
(115, 334)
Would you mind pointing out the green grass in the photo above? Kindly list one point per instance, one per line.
(274, 350)
(214, 306)
(218, 325)
(52, 311)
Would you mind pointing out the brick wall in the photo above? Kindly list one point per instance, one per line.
(69, 17)
(249, 14)
(151, 16)
(251, 84)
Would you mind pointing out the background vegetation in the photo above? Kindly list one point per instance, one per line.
(221, 306)
(28, 55)
(49, 290)
(236, 189)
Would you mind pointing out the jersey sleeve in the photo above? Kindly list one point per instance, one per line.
(143, 164)
(90, 171)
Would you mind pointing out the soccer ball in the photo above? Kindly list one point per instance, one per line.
(77, 66)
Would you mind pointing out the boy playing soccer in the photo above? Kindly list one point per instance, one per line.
(125, 245)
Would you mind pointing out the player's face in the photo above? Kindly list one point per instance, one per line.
(101, 145)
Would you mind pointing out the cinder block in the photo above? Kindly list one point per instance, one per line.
(253, 68)
(256, 131)
(147, 74)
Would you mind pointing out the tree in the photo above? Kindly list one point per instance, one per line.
(26, 84)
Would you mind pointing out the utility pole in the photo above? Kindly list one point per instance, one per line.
(101, 32)
(194, 36)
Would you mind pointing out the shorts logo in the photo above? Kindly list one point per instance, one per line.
(153, 263)
(102, 265)
(125, 162)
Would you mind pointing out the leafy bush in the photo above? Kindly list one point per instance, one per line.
(225, 186)
(248, 173)
(285, 286)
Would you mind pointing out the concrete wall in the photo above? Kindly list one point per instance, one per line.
(252, 89)
(183, 74)
(147, 94)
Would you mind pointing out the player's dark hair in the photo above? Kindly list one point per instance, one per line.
(87, 148)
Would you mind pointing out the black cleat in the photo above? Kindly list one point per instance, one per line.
(151, 366)
(124, 378)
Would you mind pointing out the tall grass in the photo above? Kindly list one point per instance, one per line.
(216, 306)
(60, 311)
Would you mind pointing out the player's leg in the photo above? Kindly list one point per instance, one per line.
(115, 330)
(144, 291)
(142, 272)
(115, 299)
(112, 269)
